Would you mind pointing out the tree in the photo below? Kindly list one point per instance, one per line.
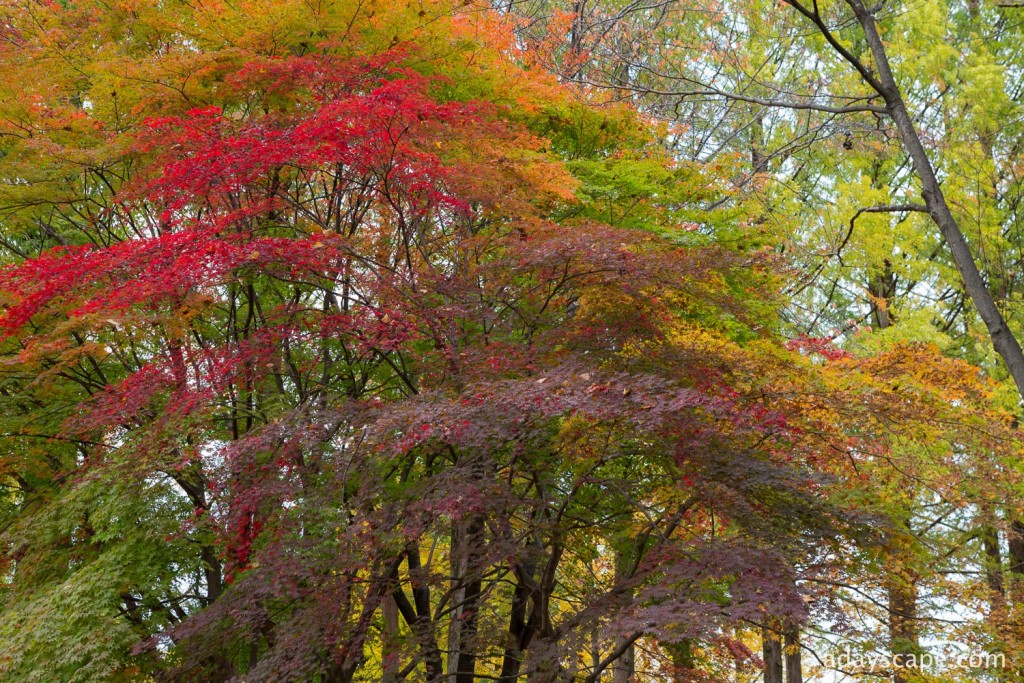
(309, 336)
(359, 349)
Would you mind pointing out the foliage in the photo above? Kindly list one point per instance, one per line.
(344, 343)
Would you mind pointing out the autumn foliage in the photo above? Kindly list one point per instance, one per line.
(331, 366)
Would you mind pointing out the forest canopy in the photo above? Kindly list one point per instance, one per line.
(618, 341)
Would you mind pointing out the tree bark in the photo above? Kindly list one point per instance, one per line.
(521, 628)
(624, 668)
(417, 616)
(1016, 561)
(794, 665)
(389, 650)
(465, 653)
(904, 638)
(882, 287)
(458, 593)
(993, 560)
(772, 652)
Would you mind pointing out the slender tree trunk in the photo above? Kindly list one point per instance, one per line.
(389, 650)
(993, 562)
(418, 617)
(771, 649)
(212, 572)
(520, 627)
(1015, 562)
(904, 637)
(993, 569)
(465, 666)
(758, 162)
(1015, 589)
(421, 599)
(458, 594)
(1016, 547)
(882, 287)
(794, 666)
(624, 668)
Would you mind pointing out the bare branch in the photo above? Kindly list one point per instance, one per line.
(882, 208)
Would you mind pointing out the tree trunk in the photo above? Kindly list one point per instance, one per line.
(465, 652)
(520, 628)
(882, 287)
(794, 667)
(772, 652)
(457, 561)
(389, 649)
(624, 668)
(417, 616)
(904, 639)
(1016, 561)
(993, 562)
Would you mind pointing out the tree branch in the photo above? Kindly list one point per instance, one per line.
(882, 208)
